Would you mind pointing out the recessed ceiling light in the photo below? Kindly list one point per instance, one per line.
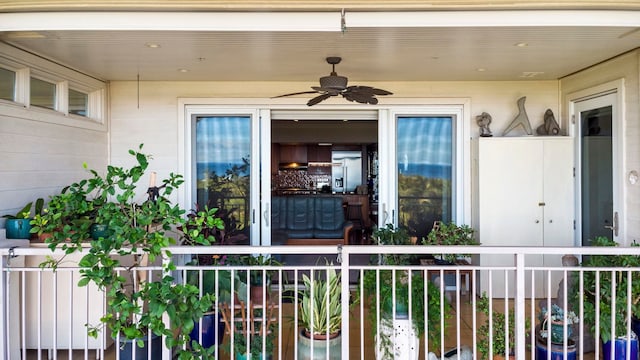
(296, 120)
(152, 45)
(522, 44)
(183, 70)
(481, 69)
(531, 74)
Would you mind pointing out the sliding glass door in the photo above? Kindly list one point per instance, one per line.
(224, 170)
(422, 162)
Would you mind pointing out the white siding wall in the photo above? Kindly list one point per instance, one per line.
(624, 67)
(41, 157)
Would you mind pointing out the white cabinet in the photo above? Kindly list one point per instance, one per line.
(57, 309)
(525, 195)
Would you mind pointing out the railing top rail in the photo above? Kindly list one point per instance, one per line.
(362, 249)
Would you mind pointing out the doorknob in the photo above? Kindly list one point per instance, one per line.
(613, 227)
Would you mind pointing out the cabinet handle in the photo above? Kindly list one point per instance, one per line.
(537, 221)
(541, 204)
(550, 221)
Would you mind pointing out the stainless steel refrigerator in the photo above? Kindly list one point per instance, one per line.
(346, 171)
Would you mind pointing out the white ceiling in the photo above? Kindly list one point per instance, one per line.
(369, 53)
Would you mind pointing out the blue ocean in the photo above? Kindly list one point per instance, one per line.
(426, 170)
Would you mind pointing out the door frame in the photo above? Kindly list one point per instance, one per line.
(260, 110)
(615, 87)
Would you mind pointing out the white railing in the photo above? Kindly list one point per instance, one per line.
(44, 313)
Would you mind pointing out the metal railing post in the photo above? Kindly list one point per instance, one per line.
(519, 313)
(343, 257)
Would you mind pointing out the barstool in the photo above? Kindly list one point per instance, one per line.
(354, 214)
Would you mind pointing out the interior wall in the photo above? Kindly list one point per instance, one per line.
(625, 67)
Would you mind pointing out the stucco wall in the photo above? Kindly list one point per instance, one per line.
(623, 67)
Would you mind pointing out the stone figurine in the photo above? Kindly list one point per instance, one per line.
(483, 120)
(520, 119)
(550, 125)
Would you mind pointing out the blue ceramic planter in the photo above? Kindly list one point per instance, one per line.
(557, 351)
(18, 228)
(209, 330)
(620, 346)
(141, 353)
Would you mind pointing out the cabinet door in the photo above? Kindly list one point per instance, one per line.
(293, 153)
(559, 196)
(510, 189)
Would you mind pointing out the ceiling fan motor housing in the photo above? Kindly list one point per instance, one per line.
(333, 82)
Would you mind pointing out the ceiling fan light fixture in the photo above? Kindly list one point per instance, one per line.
(333, 82)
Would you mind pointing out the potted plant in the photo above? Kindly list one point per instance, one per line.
(390, 285)
(18, 226)
(320, 317)
(200, 229)
(495, 342)
(139, 237)
(251, 329)
(450, 234)
(600, 294)
(556, 330)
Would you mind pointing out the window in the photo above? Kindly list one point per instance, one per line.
(78, 102)
(7, 84)
(43, 94)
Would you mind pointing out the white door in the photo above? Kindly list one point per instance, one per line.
(598, 140)
(224, 156)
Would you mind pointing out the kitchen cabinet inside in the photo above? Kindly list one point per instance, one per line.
(318, 153)
(525, 195)
(293, 153)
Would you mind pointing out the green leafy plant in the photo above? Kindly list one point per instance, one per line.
(602, 292)
(139, 236)
(450, 234)
(320, 306)
(382, 284)
(25, 212)
(503, 326)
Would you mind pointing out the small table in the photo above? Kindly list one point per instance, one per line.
(453, 269)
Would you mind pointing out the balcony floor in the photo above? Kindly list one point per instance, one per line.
(288, 339)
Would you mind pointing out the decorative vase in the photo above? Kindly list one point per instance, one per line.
(320, 347)
(405, 344)
(18, 228)
(620, 348)
(557, 332)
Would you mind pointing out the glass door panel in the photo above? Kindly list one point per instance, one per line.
(425, 157)
(223, 172)
(598, 216)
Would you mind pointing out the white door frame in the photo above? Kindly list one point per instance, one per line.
(260, 111)
(595, 97)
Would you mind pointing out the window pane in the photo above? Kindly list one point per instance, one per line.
(7, 84)
(223, 147)
(43, 94)
(78, 103)
(425, 158)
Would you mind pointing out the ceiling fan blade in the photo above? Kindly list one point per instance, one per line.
(295, 93)
(318, 99)
(361, 98)
(368, 90)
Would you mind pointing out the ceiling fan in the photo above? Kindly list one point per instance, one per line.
(334, 85)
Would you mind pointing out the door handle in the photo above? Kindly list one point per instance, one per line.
(265, 215)
(385, 214)
(613, 227)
